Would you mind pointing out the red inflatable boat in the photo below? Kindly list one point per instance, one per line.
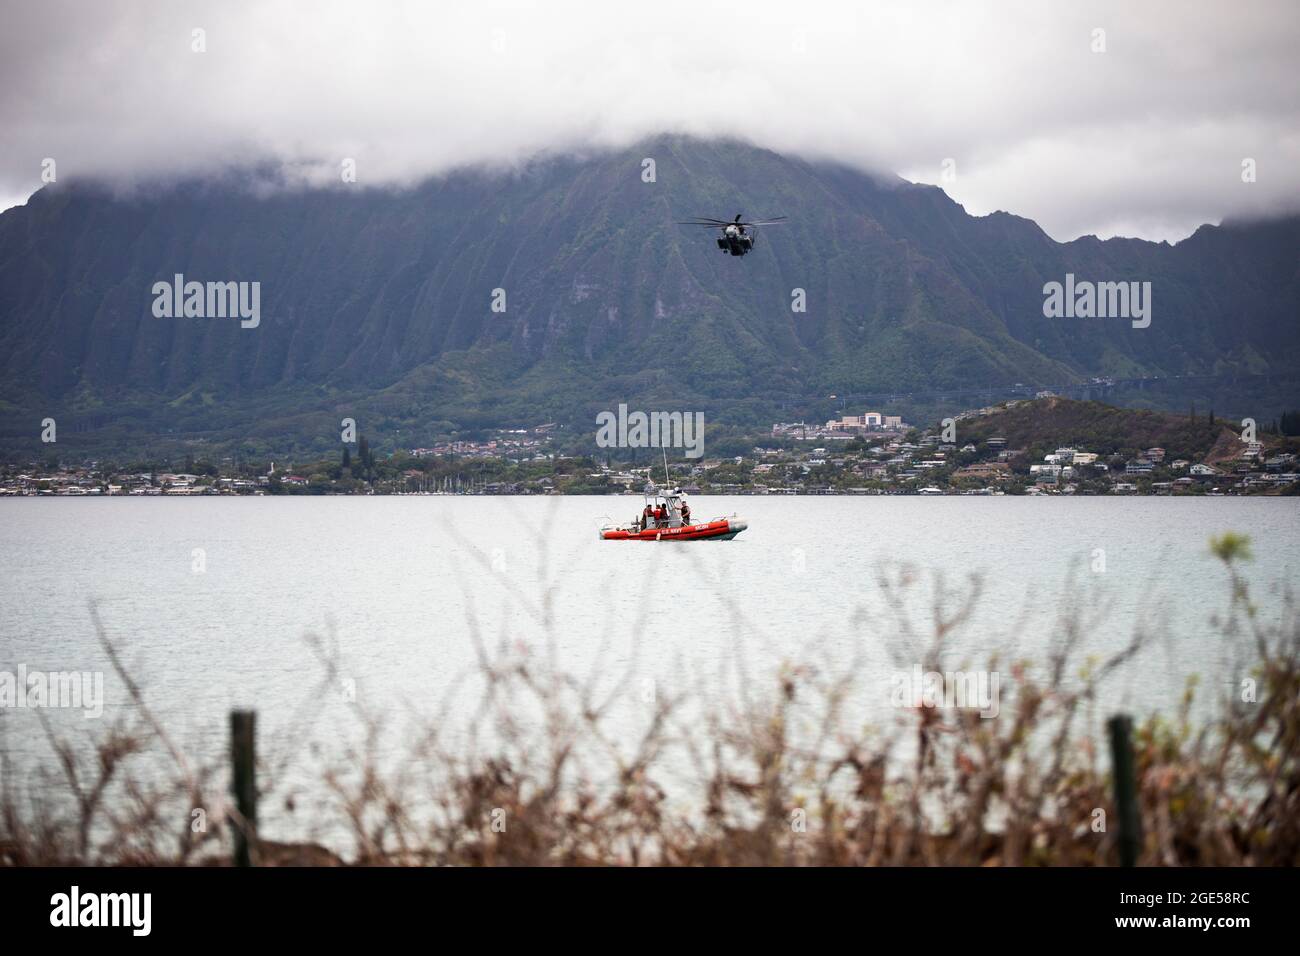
(666, 517)
(719, 529)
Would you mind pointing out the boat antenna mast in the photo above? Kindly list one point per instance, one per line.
(668, 481)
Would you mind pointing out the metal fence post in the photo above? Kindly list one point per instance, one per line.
(243, 781)
(1126, 803)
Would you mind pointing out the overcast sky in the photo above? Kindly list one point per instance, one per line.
(1146, 138)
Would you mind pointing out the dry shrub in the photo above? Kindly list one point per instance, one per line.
(539, 776)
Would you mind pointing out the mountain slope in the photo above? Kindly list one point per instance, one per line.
(386, 297)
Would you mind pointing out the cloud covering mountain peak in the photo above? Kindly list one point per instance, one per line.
(1007, 106)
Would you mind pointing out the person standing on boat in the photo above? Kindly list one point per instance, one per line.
(686, 511)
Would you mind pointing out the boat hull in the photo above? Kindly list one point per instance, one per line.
(721, 529)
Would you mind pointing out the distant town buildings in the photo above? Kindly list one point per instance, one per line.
(867, 421)
(880, 461)
(846, 426)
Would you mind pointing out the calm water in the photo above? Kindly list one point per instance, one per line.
(835, 583)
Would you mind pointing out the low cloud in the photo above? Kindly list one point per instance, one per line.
(1146, 138)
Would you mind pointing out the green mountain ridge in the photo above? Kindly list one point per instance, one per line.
(378, 303)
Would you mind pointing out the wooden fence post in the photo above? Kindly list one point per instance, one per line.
(1126, 803)
(243, 782)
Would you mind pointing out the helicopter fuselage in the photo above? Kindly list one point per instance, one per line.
(735, 240)
(737, 236)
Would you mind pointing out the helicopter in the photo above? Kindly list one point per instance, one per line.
(734, 238)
